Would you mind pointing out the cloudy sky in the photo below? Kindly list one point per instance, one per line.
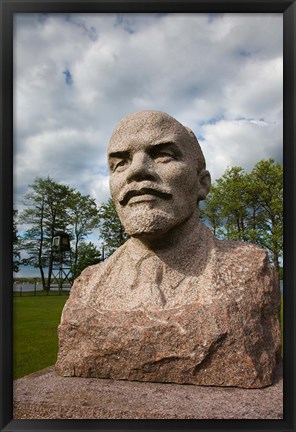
(77, 75)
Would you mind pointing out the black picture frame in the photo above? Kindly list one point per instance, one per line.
(8, 8)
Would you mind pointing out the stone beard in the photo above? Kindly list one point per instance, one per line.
(173, 304)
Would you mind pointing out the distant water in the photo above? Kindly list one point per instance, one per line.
(31, 287)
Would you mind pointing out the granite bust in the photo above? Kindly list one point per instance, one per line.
(174, 303)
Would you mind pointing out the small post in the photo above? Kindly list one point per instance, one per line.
(35, 282)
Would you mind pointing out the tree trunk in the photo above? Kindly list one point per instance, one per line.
(42, 277)
(238, 227)
(76, 250)
(254, 218)
(50, 265)
(40, 263)
(276, 268)
(121, 235)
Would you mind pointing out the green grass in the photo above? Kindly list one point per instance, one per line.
(35, 342)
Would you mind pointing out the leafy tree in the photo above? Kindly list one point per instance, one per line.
(249, 207)
(266, 184)
(47, 212)
(87, 255)
(54, 207)
(111, 230)
(16, 243)
(84, 218)
(229, 199)
(211, 211)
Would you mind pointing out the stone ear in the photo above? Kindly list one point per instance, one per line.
(204, 184)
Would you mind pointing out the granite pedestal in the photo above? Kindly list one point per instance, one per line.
(46, 395)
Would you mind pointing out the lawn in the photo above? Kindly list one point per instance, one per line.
(35, 342)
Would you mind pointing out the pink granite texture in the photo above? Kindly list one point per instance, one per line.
(46, 395)
(173, 304)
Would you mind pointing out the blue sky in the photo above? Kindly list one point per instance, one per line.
(77, 75)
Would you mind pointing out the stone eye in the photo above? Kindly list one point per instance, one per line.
(120, 164)
(164, 156)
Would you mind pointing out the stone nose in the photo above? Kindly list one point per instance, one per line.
(140, 168)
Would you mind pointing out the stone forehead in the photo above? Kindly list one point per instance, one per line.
(142, 124)
(145, 121)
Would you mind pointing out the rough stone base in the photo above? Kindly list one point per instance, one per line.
(46, 395)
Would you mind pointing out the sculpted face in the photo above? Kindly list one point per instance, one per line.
(157, 173)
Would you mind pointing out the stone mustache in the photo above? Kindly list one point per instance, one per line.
(173, 304)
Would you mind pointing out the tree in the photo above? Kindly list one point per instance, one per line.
(111, 230)
(229, 198)
(83, 217)
(53, 207)
(87, 255)
(266, 189)
(15, 243)
(249, 207)
(47, 212)
(211, 211)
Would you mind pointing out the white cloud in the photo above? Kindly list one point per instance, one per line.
(260, 96)
(220, 75)
(240, 143)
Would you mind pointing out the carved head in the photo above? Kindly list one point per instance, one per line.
(157, 173)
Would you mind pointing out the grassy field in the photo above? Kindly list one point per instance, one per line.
(35, 342)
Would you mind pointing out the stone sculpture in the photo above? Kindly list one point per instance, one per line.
(173, 304)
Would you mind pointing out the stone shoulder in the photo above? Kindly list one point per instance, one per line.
(91, 276)
(82, 282)
(243, 255)
(244, 265)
